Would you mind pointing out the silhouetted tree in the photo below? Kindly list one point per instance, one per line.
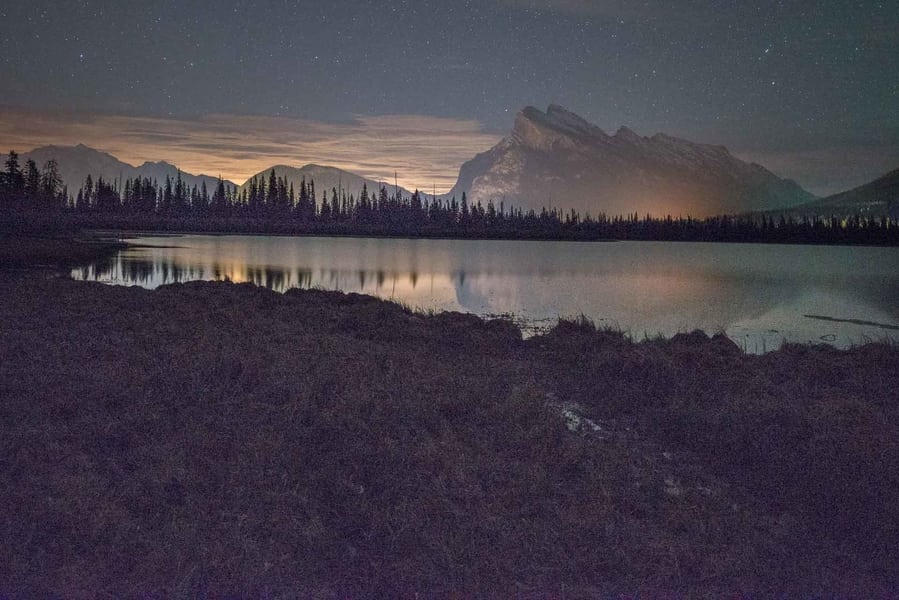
(51, 186)
(32, 182)
(13, 184)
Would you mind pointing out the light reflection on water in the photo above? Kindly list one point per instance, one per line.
(759, 294)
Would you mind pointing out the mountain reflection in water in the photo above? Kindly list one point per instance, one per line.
(760, 295)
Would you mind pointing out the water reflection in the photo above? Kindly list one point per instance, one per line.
(139, 270)
(760, 295)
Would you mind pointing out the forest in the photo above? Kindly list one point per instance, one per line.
(272, 205)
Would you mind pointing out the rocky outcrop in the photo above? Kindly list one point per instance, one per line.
(558, 159)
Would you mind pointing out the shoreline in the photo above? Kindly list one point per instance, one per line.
(281, 276)
(54, 250)
(185, 232)
(223, 438)
(657, 229)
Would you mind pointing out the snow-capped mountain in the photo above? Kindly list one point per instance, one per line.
(77, 162)
(325, 179)
(558, 159)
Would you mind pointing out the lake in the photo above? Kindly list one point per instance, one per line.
(760, 295)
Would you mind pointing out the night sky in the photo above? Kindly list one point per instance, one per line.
(809, 89)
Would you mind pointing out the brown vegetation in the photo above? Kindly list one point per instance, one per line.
(211, 438)
(53, 247)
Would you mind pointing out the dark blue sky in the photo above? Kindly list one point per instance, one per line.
(810, 89)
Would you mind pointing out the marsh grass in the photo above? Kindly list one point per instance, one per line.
(222, 439)
(54, 250)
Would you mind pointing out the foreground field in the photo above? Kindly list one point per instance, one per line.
(211, 438)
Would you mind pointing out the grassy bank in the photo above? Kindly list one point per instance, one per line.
(50, 243)
(212, 438)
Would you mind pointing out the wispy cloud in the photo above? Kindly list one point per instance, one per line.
(423, 150)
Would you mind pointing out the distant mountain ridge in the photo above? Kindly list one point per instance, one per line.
(551, 159)
(325, 179)
(77, 162)
(559, 159)
(879, 198)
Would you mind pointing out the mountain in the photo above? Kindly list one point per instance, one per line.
(76, 162)
(325, 179)
(877, 198)
(558, 159)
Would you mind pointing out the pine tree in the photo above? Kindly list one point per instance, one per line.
(336, 213)
(167, 196)
(271, 198)
(88, 192)
(13, 181)
(203, 198)
(51, 184)
(32, 189)
(218, 197)
(302, 210)
(179, 199)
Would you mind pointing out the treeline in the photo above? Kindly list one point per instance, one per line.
(27, 187)
(272, 205)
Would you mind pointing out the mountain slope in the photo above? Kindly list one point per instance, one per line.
(558, 159)
(877, 198)
(76, 162)
(325, 178)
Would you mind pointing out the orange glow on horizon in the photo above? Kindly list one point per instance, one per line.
(423, 151)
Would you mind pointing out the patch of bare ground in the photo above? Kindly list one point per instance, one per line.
(220, 439)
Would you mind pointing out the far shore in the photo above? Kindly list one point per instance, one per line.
(741, 228)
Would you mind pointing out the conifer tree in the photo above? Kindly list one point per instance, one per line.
(13, 181)
(32, 189)
(218, 197)
(50, 184)
(271, 198)
(203, 197)
(167, 196)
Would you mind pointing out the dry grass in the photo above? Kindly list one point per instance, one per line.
(52, 250)
(212, 438)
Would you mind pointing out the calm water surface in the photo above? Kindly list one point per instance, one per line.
(761, 295)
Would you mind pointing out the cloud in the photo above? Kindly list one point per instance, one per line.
(423, 150)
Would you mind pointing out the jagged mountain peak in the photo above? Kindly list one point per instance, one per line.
(559, 155)
(670, 141)
(564, 117)
(558, 119)
(556, 109)
(627, 135)
(157, 164)
(79, 161)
